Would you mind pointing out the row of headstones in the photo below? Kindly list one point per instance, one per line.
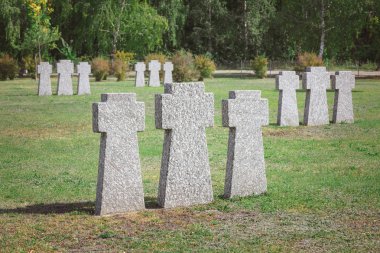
(154, 68)
(65, 70)
(183, 111)
(316, 81)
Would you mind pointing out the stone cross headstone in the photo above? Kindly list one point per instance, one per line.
(184, 111)
(168, 68)
(316, 80)
(44, 69)
(287, 82)
(84, 71)
(140, 78)
(154, 73)
(245, 112)
(119, 117)
(343, 82)
(65, 68)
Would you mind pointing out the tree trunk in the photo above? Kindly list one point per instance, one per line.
(323, 31)
(210, 26)
(245, 30)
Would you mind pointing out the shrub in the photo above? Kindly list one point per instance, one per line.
(120, 69)
(8, 67)
(156, 56)
(121, 64)
(204, 65)
(260, 66)
(307, 59)
(29, 64)
(100, 68)
(184, 67)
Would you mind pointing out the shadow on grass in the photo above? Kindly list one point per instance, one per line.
(62, 208)
(55, 208)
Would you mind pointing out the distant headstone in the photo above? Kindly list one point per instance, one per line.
(287, 82)
(84, 71)
(44, 69)
(184, 111)
(140, 78)
(168, 68)
(245, 112)
(119, 117)
(65, 68)
(316, 80)
(154, 76)
(343, 83)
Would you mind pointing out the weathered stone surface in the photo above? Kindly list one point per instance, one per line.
(245, 112)
(287, 82)
(140, 78)
(184, 111)
(84, 71)
(343, 82)
(154, 73)
(168, 68)
(65, 68)
(316, 80)
(118, 117)
(44, 69)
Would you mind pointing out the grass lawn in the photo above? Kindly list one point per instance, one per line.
(323, 182)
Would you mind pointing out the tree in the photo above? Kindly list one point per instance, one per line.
(40, 35)
(132, 25)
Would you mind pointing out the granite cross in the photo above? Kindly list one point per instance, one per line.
(343, 82)
(184, 111)
(245, 113)
(140, 78)
(168, 68)
(65, 68)
(44, 69)
(84, 70)
(119, 117)
(154, 77)
(287, 82)
(316, 80)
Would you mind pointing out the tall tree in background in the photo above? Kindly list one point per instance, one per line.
(175, 11)
(40, 35)
(10, 25)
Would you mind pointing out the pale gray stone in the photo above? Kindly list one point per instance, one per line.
(287, 82)
(168, 68)
(154, 73)
(245, 112)
(140, 78)
(44, 69)
(184, 111)
(84, 71)
(65, 68)
(343, 82)
(316, 80)
(119, 117)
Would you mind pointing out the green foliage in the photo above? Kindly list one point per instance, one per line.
(100, 67)
(184, 67)
(307, 59)
(205, 65)
(40, 35)
(260, 66)
(67, 51)
(8, 68)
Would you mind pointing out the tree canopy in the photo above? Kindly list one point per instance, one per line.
(227, 30)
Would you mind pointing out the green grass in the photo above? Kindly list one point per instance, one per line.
(323, 182)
